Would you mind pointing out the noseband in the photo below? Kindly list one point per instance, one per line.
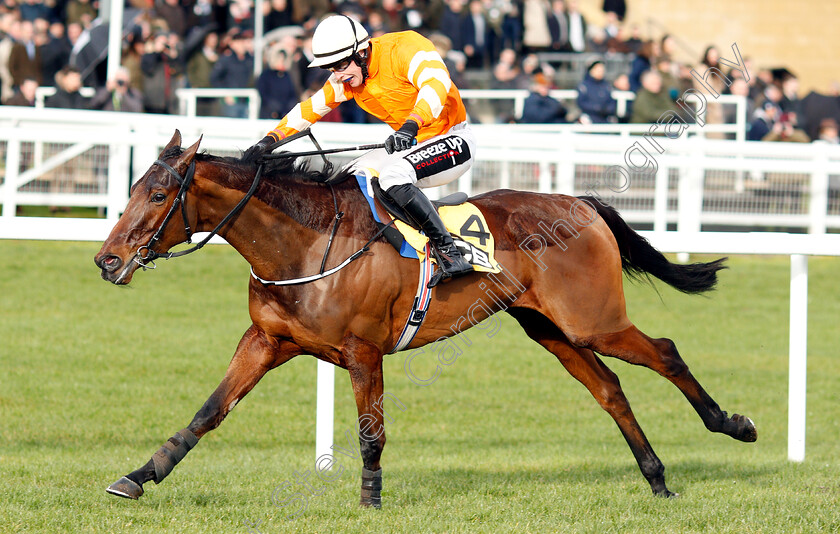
(145, 256)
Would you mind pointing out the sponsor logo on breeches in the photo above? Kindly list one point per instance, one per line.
(437, 157)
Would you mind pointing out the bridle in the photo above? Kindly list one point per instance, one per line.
(145, 255)
(147, 260)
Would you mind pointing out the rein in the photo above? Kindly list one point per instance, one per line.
(146, 255)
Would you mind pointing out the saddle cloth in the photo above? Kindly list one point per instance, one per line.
(464, 221)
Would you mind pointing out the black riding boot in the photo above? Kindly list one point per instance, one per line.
(421, 211)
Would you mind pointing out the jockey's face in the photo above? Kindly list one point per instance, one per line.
(352, 74)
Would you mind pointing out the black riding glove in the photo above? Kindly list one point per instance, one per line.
(402, 139)
(256, 152)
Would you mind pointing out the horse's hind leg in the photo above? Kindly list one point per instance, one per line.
(255, 356)
(633, 346)
(603, 384)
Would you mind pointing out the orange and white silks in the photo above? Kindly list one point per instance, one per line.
(407, 79)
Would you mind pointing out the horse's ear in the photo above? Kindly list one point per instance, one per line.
(175, 141)
(189, 154)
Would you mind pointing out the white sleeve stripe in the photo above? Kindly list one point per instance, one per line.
(431, 97)
(437, 74)
(296, 121)
(419, 58)
(319, 104)
(338, 89)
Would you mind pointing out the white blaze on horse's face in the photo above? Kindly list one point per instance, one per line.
(127, 247)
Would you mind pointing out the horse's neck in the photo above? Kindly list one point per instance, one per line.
(271, 237)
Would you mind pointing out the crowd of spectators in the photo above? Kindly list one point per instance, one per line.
(170, 44)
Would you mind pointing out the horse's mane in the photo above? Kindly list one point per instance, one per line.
(288, 184)
(283, 169)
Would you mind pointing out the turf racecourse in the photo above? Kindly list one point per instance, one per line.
(94, 378)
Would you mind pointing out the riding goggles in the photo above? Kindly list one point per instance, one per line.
(339, 66)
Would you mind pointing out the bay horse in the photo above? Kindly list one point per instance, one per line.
(563, 259)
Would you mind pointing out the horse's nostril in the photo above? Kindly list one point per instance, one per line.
(109, 263)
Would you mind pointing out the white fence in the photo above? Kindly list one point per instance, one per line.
(71, 158)
(65, 157)
(512, 100)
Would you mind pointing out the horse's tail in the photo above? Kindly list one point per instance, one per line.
(639, 259)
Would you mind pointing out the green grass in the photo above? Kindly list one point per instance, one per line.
(94, 378)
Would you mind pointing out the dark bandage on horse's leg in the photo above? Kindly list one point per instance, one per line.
(172, 452)
(371, 488)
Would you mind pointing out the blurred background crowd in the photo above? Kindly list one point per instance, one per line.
(534, 45)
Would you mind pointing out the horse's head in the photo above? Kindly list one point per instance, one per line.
(144, 230)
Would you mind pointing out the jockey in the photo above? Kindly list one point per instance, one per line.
(400, 79)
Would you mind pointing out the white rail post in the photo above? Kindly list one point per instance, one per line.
(690, 189)
(504, 167)
(324, 409)
(798, 356)
(660, 200)
(519, 104)
(118, 179)
(10, 182)
(115, 35)
(741, 119)
(253, 105)
(545, 175)
(818, 190)
(565, 164)
(465, 182)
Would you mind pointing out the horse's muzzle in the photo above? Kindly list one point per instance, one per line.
(110, 265)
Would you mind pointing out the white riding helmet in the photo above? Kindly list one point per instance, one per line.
(337, 37)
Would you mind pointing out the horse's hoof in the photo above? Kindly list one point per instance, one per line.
(746, 428)
(125, 487)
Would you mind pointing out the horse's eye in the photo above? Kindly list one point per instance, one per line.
(157, 198)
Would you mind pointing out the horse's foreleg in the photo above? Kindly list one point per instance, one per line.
(604, 385)
(256, 355)
(364, 363)
(660, 355)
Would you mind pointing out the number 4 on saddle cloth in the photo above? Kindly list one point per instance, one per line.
(463, 220)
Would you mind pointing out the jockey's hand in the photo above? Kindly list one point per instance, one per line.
(256, 152)
(402, 139)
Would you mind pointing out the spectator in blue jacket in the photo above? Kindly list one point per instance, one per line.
(595, 96)
(765, 118)
(277, 90)
(539, 107)
(641, 63)
(235, 70)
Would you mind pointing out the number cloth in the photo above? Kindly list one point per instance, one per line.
(469, 230)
